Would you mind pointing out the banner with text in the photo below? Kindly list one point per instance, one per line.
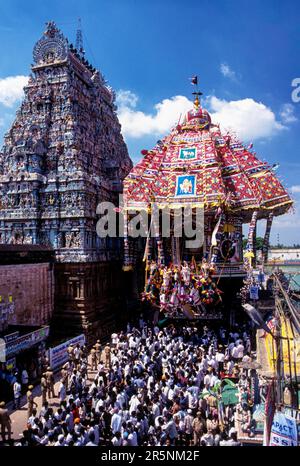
(283, 431)
(59, 354)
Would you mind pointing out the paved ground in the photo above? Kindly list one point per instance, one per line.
(19, 416)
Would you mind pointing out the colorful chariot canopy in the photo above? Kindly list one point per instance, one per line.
(197, 165)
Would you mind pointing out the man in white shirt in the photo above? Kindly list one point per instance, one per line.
(170, 429)
(132, 438)
(77, 353)
(206, 380)
(235, 353)
(24, 379)
(220, 357)
(132, 342)
(114, 339)
(208, 438)
(32, 418)
(117, 440)
(156, 409)
(62, 393)
(116, 421)
(17, 394)
(121, 400)
(230, 366)
(60, 441)
(248, 345)
(200, 377)
(230, 347)
(233, 441)
(156, 330)
(91, 442)
(213, 380)
(171, 393)
(133, 403)
(94, 429)
(240, 351)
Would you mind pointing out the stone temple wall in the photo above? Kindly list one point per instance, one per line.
(31, 287)
(63, 155)
(89, 296)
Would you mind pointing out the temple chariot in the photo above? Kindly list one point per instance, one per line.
(199, 172)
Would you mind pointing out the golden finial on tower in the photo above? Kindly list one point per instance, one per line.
(197, 93)
(197, 100)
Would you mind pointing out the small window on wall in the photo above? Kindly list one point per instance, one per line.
(73, 289)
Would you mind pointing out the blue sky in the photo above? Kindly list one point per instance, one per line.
(246, 54)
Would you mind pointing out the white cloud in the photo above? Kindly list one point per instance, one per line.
(295, 189)
(11, 89)
(228, 72)
(287, 113)
(288, 222)
(287, 226)
(246, 117)
(136, 124)
(126, 99)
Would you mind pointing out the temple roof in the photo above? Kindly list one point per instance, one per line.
(197, 164)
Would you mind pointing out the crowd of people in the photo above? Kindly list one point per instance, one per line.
(149, 387)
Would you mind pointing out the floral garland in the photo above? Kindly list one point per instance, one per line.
(175, 286)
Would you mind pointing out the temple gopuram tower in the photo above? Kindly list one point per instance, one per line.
(62, 156)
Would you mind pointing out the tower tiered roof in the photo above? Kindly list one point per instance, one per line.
(197, 164)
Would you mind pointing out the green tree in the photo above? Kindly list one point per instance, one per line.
(259, 243)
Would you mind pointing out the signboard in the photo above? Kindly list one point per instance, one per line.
(283, 431)
(254, 292)
(26, 341)
(186, 185)
(59, 354)
(10, 364)
(182, 138)
(11, 337)
(187, 153)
